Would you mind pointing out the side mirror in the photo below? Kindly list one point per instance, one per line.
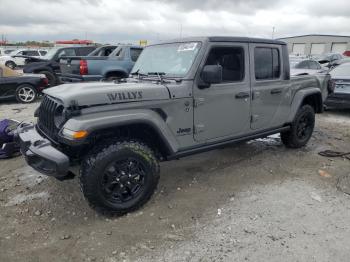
(212, 74)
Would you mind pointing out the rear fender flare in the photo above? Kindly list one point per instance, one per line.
(299, 98)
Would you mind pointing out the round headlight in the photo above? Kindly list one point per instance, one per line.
(59, 116)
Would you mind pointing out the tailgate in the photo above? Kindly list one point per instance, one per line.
(70, 65)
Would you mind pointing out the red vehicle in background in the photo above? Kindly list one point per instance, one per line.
(346, 53)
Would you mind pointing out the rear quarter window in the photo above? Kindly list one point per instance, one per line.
(135, 53)
(267, 63)
(85, 51)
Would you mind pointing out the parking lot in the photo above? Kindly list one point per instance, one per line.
(255, 202)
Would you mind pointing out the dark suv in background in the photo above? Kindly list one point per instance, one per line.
(49, 64)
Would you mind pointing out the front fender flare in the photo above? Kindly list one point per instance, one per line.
(103, 120)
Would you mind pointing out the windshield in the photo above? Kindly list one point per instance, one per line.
(342, 70)
(173, 59)
(15, 52)
(323, 57)
(8, 51)
(50, 54)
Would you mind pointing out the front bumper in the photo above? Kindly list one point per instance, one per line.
(338, 100)
(39, 152)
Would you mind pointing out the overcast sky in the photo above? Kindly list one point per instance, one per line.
(132, 20)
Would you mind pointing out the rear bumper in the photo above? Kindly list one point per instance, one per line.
(39, 152)
(71, 78)
(338, 100)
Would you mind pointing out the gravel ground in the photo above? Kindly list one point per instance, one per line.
(255, 202)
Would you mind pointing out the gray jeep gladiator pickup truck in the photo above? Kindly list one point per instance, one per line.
(182, 97)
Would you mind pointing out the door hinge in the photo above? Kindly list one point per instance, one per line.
(198, 101)
(254, 118)
(198, 128)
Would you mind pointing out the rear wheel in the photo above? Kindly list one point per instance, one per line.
(10, 64)
(301, 129)
(26, 94)
(119, 176)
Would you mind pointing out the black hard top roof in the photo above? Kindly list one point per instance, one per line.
(226, 39)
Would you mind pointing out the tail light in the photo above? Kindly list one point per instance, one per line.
(331, 86)
(44, 83)
(83, 67)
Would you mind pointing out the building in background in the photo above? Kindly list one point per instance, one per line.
(317, 44)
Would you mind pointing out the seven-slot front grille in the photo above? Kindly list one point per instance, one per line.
(46, 116)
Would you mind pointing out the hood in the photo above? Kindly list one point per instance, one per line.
(30, 67)
(5, 57)
(97, 93)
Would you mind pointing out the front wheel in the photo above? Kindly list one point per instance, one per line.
(119, 176)
(301, 129)
(26, 94)
(10, 64)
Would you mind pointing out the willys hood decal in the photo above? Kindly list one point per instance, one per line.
(107, 93)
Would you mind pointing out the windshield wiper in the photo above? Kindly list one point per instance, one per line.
(138, 73)
(159, 74)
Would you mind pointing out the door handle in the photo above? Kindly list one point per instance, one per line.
(276, 91)
(242, 95)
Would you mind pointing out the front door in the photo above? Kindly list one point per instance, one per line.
(7, 86)
(270, 92)
(223, 109)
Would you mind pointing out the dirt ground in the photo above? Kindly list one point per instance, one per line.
(255, 202)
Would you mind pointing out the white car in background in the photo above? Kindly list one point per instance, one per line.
(306, 67)
(14, 59)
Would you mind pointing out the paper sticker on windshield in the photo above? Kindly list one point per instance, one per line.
(187, 47)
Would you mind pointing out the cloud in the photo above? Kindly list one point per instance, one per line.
(131, 20)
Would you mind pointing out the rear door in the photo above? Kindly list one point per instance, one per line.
(270, 92)
(223, 109)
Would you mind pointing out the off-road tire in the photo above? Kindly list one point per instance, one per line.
(96, 163)
(291, 138)
(24, 89)
(50, 77)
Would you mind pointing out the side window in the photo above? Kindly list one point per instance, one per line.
(66, 52)
(32, 53)
(135, 53)
(119, 52)
(83, 51)
(303, 65)
(232, 61)
(267, 63)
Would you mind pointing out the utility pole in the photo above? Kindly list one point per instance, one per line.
(180, 31)
(273, 33)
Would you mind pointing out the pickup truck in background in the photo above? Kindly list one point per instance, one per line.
(48, 64)
(94, 68)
